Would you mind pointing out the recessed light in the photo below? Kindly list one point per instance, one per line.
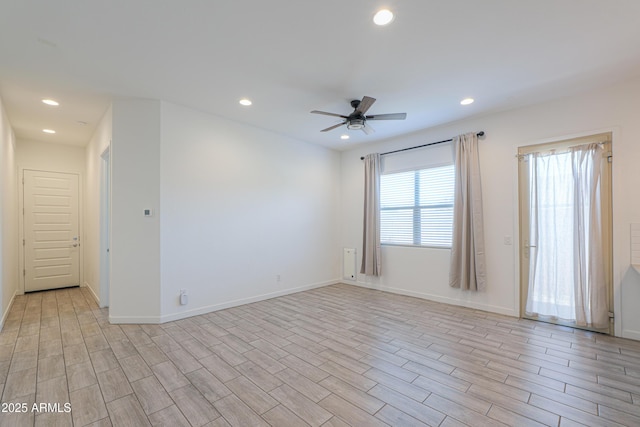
(383, 17)
(246, 102)
(467, 101)
(51, 102)
(48, 131)
(344, 136)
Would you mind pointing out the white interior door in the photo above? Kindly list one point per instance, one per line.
(51, 230)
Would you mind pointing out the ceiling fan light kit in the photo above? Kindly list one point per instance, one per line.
(355, 124)
(358, 120)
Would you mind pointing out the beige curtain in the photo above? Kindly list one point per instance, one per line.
(371, 260)
(590, 287)
(467, 269)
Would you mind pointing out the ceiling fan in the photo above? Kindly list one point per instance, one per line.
(357, 119)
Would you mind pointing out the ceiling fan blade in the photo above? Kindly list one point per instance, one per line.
(328, 114)
(333, 127)
(365, 104)
(392, 116)
(368, 129)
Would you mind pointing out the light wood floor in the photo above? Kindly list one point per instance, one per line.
(333, 356)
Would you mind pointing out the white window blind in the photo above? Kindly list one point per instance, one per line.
(416, 207)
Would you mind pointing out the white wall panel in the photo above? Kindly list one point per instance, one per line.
(245, 214)
(9, 278)
(135, 239)
(93, 163)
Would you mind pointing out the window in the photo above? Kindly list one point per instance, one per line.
(416, 207)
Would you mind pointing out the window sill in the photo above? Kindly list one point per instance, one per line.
(414, 246)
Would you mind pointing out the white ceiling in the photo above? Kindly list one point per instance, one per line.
(294, 56)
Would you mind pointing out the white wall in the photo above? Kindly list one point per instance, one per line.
(135, 186)
(97, 145)
(424, 272)
(9, 278)
(239, 206)
(49, 156)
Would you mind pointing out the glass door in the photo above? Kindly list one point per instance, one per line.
(565, 232)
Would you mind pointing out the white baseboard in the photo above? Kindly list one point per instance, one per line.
(119, 320)
(235, 303)
(93, 294)
(633, 335)
(6, 313)
(438, 298)
(211, 308)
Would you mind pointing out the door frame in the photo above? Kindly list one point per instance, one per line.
(613, 293)
(21, 236)
(105, 226)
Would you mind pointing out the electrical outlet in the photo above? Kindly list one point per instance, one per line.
(508, 240)
(278, 278)
(183, 297)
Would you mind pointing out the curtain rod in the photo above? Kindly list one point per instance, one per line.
(481, 133)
